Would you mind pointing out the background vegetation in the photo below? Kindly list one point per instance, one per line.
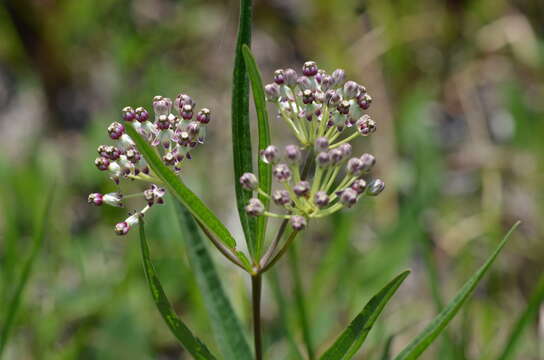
(457, 88)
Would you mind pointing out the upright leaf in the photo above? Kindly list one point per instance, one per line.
(351, 340)
(439, 323)
(20, 285)
(225, 324)
(191, 343)
(525, 318)
(193, 203)
(265, 170)
(241, 134)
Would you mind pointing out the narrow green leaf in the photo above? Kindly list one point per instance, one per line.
(265, 170)
(15, 302)
(537, 298)
(351, 340)
(439, 323)
(193, 203)
(386, 354)
(191, 343)
(225, 324)
(241, 134)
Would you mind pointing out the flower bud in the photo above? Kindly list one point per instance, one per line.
(183, 99)
(128, 113)
(193, 129)
(255, 207)
(270, 154)
(163, 123)
(336, 156)
(279, 77)
(133, 156)
(290, 77)
(203, 116)
(368, 161)
(359, 186)
(354, 166)
(141, 114)
(348, 197)
(293, 154)
(162, 105)
(281, 197)
(282, 172)
(326, 82)
(320, 75)
(375, 187)
(298, 222)
(346, 150)
(308, 97)
(113, 199)
(322, 159)
(321, 199)
(95, 199)
(343, 107)
(309, 68)
(187, 112)
(302, 188)
(272, 92)
(102, 163)
(338, 75)
(169, 158)
(122, 228)
(351, 88)
(366, 125)
(249, 181)
(116, 130)
(304, 83)
(321, 144)
(365, 101)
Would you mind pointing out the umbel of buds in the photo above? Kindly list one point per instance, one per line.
(175, 129)
(325, 113)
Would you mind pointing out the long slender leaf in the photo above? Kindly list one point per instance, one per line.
(439, 323)
(225, 324)
(351, 340)
(241, 134)
(193, 203)
(15, 302)
(265, 170)
(525, 318)
(386, 354)
(191, 343)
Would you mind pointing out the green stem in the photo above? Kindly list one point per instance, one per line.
(256, 288)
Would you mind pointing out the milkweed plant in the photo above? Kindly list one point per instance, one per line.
(314, 177)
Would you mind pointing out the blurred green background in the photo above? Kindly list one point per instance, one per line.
(458, 96)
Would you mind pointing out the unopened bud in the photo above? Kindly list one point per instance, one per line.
(249, 181)
(351, 88)
(338, 75)
(354, 166)
(272, 92)
(281, 197)
(293, 154)
(375, 187)
(366, 125)
(128, 114)
(298, 222)
(321, 144)
(203, 116)
(309, 68)
(96, 199)
(290, 77)
(282, 172)
(255, 207)
(322, 159)
(302, 188)
(279, 77)
(359, 186)
(270, 155)
(368, 161)
(321, 199)
(116, 130)
(348, 197)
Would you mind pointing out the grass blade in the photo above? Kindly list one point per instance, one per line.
(241, 134)
(525, 318)
(14, 303)
(225, 324)
(193, 203)
(265, 170)
(350, 341)
(191, 343)
(386, 354)
(439, 323)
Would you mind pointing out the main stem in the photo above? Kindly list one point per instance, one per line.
(256, 287)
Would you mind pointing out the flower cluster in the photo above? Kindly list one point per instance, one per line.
(174, 135)
(325, 113)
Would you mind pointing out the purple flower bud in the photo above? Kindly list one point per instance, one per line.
(364, 101)
(116, 130)
(102, 150)
(281, 197)
(348, 197)
(336, 156)
(346, 150)
(193, 129)
(183, 99)
(133, 156)
(343, 107)
(368, 161)
(302, 188)
(169, 158)
(102, 163)
(308, 96)
(149, 196)
(95, 199)
(322, 159)
(332, 98)
(338, 75)
(187, 112)
(290, 77)
(113, 199)
(366, 125)
(375, 187)
(272, 92)
(359, 186)
(354, 166)
(270, 154)
(162, 105)
(141, 114)
(351, 88)
(320, 75)
(298, 222)
(128, 113)
(309, 68)
(282, 172)
(293, 154)
(255, 207)
(321, 144)
(304, 83)
(122, 228)
(203, 116)
(279, 77)
(321, 199)
(326, 82)
(163, 123)
(249, 181)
